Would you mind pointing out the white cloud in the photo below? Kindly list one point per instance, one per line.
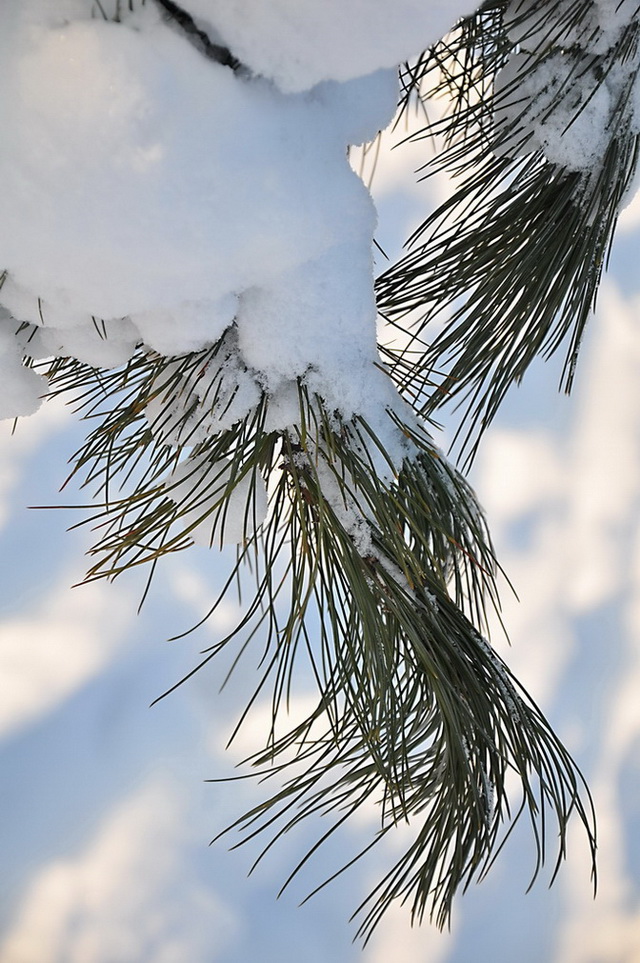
(45, 655)
(129, 896)
(605, 462)
(520, 471)
(19, 442)
(396, 940)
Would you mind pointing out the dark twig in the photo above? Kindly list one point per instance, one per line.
(198, 37)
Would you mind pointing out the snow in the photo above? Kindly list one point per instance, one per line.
(184, 386)
(332, 296)
(151, 195)
(168, 179)
(105, 859)
(299, 43)
(22, 389)
(569, 124)
(555, 103)
(598, 27)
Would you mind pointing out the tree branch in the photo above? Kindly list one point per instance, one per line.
(198, 37)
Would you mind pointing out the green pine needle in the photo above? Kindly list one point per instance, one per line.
(395, 568)
(513, 259)
(372, 571)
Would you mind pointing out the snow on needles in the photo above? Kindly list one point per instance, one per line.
(160, 192)
(152, 196)
(560, 97)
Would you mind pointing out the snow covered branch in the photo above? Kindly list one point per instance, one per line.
(188, 255)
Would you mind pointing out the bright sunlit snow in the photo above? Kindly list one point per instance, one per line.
(152, 195)
(298, 43)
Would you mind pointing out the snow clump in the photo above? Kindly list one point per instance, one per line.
(151, 195)
(153, 198)
(299, 43)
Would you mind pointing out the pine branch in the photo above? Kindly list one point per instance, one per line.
(515, 256)
(387, 556)
(393, 567)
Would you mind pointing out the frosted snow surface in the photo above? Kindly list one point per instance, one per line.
(138, 175)
(151, 195)
(298, 43)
